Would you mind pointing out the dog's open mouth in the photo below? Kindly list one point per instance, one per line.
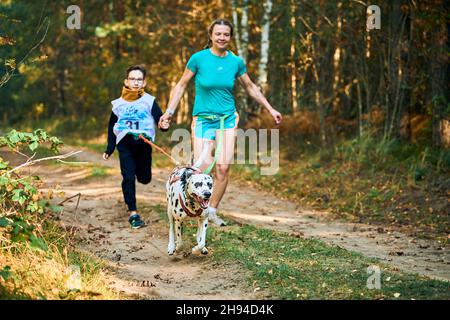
(202, 202)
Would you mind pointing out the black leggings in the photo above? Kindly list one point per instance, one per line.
(135, 162)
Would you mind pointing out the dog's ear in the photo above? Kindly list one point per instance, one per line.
(186, 174)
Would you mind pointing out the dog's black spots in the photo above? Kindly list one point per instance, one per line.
(206, 225)
(181, 214)
(176, 202)
(179, 227)
(198, 184)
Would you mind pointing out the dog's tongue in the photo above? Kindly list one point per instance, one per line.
(203, 203)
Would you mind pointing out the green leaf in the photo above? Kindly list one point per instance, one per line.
(6, 273)
(4, 222)
(101, 32)
(16, 195)
(14, 138)
(38, 243)
(3, 181)
(43, 202)
(32, 207)
(56, 209)
(33, 146)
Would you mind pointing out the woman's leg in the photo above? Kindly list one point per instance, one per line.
(200, 144)
(224, 161)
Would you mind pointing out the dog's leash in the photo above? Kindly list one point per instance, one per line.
(218, 148)
(219, 141)
(159, 149)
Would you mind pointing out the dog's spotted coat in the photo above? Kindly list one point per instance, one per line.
(188, 193)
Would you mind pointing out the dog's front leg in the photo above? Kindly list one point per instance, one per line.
(171, 246)
(178, 240)
(201, 236)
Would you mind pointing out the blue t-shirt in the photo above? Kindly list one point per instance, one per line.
(214, 82)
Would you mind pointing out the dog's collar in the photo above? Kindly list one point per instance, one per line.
(197, 213)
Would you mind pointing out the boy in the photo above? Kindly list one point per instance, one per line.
(134, 113)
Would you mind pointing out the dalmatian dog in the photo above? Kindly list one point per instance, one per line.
(188, 194)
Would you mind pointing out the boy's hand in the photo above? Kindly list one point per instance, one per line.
(164, 123)
(105, 156)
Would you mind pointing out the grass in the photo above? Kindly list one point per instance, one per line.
(292, 268)
(280, 265)
(46, 275)
(368, 181)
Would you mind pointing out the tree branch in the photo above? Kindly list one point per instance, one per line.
(30, 162)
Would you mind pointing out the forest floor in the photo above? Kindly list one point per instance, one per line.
(140, 266)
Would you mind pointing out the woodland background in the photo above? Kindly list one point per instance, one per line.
(314, 60)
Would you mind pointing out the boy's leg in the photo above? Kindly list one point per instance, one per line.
(143, 158)
(128, 170)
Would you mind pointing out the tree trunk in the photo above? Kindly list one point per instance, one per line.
(398, 60)
(439, 82)
(294, 58)
(262, 69)
(241, 36)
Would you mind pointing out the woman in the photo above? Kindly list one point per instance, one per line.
(215, 70)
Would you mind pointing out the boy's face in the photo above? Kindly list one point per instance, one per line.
(135, 80)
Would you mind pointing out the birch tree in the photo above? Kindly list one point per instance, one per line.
(241, 37)
(262, 69)
(241, 27)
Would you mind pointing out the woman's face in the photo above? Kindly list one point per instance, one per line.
(221, 36)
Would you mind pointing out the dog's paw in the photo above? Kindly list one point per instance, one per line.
(197, 250)
(171, 249)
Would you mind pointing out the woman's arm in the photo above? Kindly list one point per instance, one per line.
(178, 90)
(254, 92)
(175, 97)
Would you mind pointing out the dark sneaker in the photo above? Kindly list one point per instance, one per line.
(135, 221)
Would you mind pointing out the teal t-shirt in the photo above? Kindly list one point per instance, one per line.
(214, 82)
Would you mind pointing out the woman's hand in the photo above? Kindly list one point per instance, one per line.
(164, 121)
(105, 156)
(276, 116)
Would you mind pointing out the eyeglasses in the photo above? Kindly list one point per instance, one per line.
(137, 80)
